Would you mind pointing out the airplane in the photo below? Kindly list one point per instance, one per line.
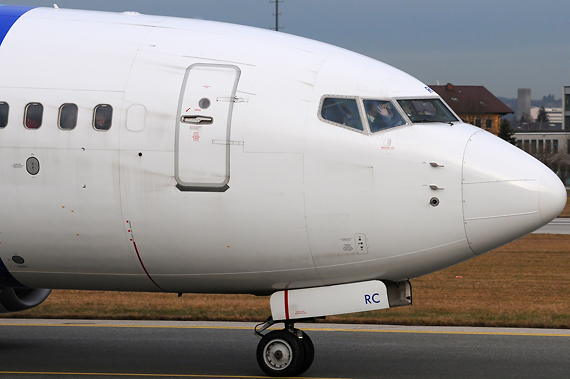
(160, 154)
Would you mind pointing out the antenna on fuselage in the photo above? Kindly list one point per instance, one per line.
(277, 14)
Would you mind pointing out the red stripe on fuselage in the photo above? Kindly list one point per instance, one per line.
(286, 305)
(144, 268)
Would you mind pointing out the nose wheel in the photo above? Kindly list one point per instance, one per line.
(286, 352)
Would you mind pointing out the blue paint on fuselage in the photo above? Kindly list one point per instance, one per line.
(9, 14)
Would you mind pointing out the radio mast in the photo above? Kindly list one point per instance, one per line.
(276, 14)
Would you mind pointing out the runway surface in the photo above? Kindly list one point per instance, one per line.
(556, 226)
(132, 349)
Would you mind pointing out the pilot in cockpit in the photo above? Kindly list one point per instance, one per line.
(381, 115)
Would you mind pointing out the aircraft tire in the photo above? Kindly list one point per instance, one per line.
(280, 353)
(309, 353)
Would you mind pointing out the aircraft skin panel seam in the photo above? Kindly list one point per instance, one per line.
(309, 117)
(501, 181)
(311, 268)
(500, 216)
(393, 256)
(306, 222)
(463, 190)
(240, 273)
(86, 274)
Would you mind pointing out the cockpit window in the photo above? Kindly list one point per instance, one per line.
(342, 111)
(427, 110)
(382, 115)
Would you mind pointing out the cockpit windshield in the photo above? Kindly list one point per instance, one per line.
(343, 111)
(382, 115)
(427, 110)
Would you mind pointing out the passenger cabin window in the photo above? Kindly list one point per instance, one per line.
(4, 108)
(102, 117)
(67, 119)
(342, 111)
(382, 115)
(427, 110)
(33, 115)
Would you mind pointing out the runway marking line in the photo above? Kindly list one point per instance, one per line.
(141, 375)
(306, 329)
(123, 374)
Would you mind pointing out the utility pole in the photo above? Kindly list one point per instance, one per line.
(277, 14)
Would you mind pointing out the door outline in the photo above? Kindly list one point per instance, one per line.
(197, 186)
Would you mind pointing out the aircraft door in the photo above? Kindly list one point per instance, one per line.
(202, 147)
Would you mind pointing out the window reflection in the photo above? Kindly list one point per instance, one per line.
(3, 114)
(342, 111)
(67, 116)
(382, 115)
(33, 115)
(102, 117)
(427, 110)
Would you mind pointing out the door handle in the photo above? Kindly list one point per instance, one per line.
(197, 120)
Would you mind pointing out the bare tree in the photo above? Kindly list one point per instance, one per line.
(559, 163)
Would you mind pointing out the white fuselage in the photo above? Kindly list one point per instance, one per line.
(274, 198)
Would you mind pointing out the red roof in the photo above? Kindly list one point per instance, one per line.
(471, 100)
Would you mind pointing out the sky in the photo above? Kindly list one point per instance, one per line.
(500, 44)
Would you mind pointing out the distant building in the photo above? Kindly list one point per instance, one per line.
(554, 114)
(550, 147)
(543, 142)
(475, 105)
(523, 103)
(566, 107)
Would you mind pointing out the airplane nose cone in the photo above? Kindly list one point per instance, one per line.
(506, 193)
(551, 196)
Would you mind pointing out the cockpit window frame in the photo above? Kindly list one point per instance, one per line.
(358, 101)
(398, 99)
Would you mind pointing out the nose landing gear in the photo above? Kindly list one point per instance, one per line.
(290, 351)
(286, 352)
